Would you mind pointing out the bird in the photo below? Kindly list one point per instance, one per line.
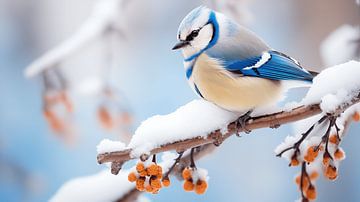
(232, 67)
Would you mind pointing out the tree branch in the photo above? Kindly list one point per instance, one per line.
(264, 121)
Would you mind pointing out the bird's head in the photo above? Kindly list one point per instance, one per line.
(198, 31)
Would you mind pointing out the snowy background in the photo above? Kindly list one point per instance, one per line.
(35, 163)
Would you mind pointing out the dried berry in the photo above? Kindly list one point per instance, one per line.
(331, 172)
(201, 186)
(312, 153)
(155, 183)
(152, 170)
(187, 173)
(326, 159)
(166, 181)
(356, 116)
(105, 118)
(339, 154)
(132, 177)
(294, 161)
(188, 185)
(314, 175)
(334, 139)
(140, 184)
(140, 167)
(311, 193)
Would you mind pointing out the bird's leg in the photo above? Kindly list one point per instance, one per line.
(241, 121)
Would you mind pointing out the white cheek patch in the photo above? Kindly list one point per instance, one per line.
(189, 51)
(204, 37)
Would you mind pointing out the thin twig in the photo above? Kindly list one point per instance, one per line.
(177, 160)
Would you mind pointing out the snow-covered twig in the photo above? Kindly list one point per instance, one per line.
(105, 17)
(264, 121)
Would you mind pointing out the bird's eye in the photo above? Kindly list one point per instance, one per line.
(195, 33)
(192, 35)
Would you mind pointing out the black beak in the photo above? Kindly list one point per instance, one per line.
(180, 45)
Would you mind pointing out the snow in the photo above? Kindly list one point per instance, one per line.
(100, 187)
(104, 186)
(197, 118)
(331, 101)
(105, 14)
(200, 174)
(90, 86)
(339, 47)
(107, 145)
(334, 85)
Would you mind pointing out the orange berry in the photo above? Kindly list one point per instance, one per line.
(132, 177)
(294, 162)
(356, 116)
(201, 186)
(305, 182)
(105, 118)
(311, 154)
(297, 180)
(311, 193)
(334, 139)
(140, 167)
(149, 188)
(326, 159)
(188, 185)
(339, 154)
(54, 121)
(155, 183)
(152, 170)
(143, 173)
(166, 181)
(314, 175)
(140, 184)
(186, 174)
(331, 172)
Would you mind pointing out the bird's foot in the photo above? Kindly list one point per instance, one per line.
(241, 123)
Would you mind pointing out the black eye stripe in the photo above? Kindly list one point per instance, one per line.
(193, 34)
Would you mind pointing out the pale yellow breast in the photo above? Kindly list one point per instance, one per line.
(232, 92)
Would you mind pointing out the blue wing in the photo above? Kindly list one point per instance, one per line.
(271, 65)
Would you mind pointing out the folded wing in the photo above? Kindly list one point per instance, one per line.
(270, 65)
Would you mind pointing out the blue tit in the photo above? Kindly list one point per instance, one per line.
(230, 66)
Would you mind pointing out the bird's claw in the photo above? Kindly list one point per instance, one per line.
(241, 123)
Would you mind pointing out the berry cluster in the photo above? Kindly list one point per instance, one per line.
(330, 160)
(320, 154)
(148, 177)
(52, 101)
(194, 180)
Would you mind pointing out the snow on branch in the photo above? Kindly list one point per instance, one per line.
(99, 187)
(271, 120)
(104, 186)
(105, 17)
(201, 122)
(333, 97)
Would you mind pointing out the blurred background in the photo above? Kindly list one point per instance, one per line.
(51, 123)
